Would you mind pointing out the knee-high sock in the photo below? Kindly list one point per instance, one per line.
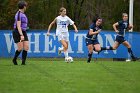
(89, 55)
(17, 54)
(61, 48)
(107, 48)
(66, 53)
(130, 52)
(24, 55)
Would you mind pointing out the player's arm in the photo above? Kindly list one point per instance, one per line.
(115, 27)
(94, 33)
(50, 26)
(72, 23)
(20, 30)
(74, 26)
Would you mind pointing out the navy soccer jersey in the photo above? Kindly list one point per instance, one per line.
(92, 39)
(123, 25)
(94, 28)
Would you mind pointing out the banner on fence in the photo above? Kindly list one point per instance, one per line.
(43, 46)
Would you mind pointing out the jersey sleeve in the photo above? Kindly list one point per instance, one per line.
(91, 27)
(70, 21)
(119, 22)
(19, 16)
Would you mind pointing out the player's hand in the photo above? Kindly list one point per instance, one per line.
(21, 38)
(48, 33)
(76, 31)
(99, 31)
(130, 27)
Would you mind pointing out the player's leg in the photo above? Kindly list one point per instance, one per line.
(118, 41)
(97, 47)
(114, 47)
(89, 44)
(64, 39)
(16, 38)
(18, 51)
(90, 50)
(24, 52)
(125, 43)
(65, 46)
(25, 48)
(60, 49)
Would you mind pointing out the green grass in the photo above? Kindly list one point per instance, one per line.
(46, 76)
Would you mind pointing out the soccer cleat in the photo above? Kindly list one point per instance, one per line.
(15, 62)
(23, 63)
(59, 51)
(135, 58)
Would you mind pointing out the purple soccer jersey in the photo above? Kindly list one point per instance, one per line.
(23, 18)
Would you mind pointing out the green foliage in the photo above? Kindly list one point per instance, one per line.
(42, 12)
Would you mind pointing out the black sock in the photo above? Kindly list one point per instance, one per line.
(103, 48)
(89, 55)
(16, 54)
(131, 52)
(24, 55)
(111, 48)
(107, 48)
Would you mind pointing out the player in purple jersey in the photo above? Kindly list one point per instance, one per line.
(19, 33)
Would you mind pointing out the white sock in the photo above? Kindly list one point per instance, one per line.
(66, 53)
(61, 48)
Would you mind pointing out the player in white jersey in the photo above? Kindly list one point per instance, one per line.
(62, 22)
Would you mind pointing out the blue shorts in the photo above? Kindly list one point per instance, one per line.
(89, 42)
(120, 39)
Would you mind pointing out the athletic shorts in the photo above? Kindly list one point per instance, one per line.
(93, 42)
(63, 36)
(120, 39)
(16, 36)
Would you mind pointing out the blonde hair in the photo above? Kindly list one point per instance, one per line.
(61, 9)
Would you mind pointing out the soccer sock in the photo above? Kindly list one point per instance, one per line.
(89, 55)
(130, 52)
(66, 53)
(61, 48)
(107, 48)
(24, 55)
(16, 54)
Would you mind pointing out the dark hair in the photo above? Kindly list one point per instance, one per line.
(21, 4)
(95, 20)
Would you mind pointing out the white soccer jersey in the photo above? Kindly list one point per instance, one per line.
(62, 24)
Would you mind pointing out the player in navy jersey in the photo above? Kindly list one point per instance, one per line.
(19, 34)
(91, 38)
(120, 28)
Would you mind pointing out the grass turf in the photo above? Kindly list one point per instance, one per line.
(46, 76)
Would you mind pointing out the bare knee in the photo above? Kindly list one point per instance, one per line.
(98, 49)
(114, 48)
(26, 48)
(20, 48)
(129, 46)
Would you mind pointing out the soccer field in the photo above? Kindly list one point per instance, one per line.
(44, 76)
